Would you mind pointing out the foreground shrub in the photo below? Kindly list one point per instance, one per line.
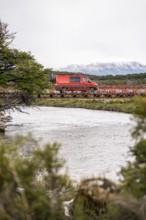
(134, 174)
(31, 187)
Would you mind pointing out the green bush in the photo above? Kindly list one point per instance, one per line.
(134, 174)
(31, 187)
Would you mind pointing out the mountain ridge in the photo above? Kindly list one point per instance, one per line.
(109, 68)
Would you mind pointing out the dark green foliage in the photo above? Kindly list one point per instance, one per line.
(134, 175)
(140, 118)
(31, 187)
(7, 56)
(21, 69)
(28, 75)
(135, 79)
(123, 210)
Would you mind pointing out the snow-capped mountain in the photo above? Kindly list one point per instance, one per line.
(101, 69)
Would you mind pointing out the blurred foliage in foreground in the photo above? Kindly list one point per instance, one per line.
(32, 187)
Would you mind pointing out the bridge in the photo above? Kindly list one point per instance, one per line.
(111, 91)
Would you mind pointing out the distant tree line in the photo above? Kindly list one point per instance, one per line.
(137, 78)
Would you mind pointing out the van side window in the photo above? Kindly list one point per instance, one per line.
(74, 79)
(85, 79)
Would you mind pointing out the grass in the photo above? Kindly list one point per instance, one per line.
(126, 105)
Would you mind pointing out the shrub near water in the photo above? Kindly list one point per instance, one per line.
(134, 175)
(31, 188)
(120, 104)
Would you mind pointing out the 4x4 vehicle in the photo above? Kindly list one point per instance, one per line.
(72, 82)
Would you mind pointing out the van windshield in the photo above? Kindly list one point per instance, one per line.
(86, 79)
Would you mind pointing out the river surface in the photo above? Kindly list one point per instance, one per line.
(93, 143)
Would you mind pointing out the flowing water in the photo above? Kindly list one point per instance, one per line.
(93, 142)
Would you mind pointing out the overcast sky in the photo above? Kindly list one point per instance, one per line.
(64, 32)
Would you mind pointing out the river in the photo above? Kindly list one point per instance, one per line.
(93, 143)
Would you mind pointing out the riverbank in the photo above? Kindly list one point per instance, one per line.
(87, 137)
(126, 105)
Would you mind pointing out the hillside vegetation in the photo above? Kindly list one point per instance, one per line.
(137, 78)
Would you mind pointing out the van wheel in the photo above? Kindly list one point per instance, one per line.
(92, 90)
(63, 90)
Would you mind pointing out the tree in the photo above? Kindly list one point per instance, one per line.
(28, 75)
(20, 67)
(7, 56)
(49, 72)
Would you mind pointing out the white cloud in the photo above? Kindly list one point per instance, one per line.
(62, 32)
